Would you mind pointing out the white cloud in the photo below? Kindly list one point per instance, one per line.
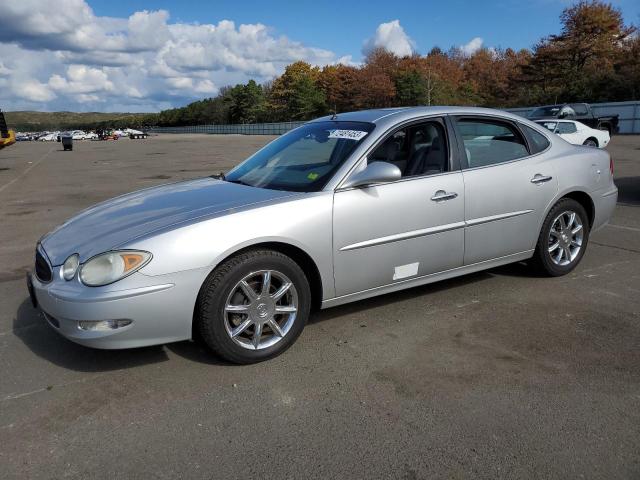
(472, 47)
(35, 91)
(392, 37)
(81, 79)
(62, 55)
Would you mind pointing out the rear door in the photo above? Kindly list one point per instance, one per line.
(509, 182)
(398, 231)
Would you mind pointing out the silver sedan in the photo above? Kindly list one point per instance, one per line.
(343, 208)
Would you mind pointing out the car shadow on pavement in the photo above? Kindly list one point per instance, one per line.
(398, 297)
(32, 329)
(628, 190)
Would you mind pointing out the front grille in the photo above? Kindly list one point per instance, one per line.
(43, 270)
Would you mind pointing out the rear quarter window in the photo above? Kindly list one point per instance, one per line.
(537, 141)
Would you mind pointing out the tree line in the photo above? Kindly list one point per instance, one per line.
(594, 58)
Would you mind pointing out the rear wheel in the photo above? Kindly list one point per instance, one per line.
(253, 306)
(563, 238)
(590, 142)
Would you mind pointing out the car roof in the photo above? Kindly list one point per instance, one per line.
(395, 115)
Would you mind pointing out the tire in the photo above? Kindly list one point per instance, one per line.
(224, 306)
(590, 142)
(559, 261)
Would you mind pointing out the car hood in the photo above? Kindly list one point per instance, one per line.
(110, 224)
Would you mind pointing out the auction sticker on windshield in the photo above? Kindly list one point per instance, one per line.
(348, 134)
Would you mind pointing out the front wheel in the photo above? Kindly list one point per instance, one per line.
(253, 306)
(563, 238)
(590, 142)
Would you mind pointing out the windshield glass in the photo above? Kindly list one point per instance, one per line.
(551, 126)
(302, 160)
(546, 111)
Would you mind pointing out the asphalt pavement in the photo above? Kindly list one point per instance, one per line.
(499, 374)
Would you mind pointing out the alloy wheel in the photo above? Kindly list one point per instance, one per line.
(261, 309)
(565, 238)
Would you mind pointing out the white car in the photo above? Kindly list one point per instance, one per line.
(577, 133)
(91, 136)
(78, 135)
(49, 137)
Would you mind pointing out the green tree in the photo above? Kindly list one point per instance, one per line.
(412, 89)
(296, 94)
(246, 103)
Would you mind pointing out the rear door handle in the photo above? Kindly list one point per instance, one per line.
(441, 195)
(538, 179)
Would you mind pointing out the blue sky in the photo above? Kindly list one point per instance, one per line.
(130, 55)
(342, 26)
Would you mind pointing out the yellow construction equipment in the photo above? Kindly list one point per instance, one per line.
(7, 137)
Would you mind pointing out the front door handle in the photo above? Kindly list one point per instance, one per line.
(441, 195)
(538, 179)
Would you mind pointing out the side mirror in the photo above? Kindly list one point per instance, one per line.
(376, 172)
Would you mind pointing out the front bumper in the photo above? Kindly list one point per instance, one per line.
(160, 308)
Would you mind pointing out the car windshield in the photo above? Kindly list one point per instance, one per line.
(551, 126)
(302, 160)
(551, 111)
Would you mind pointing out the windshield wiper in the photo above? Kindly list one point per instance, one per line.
(223, 177)
(239, 182)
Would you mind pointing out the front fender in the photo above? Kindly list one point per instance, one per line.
(305, 223)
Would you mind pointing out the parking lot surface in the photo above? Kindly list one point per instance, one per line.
(499, 374)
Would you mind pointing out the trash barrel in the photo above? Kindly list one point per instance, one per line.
(67, 143)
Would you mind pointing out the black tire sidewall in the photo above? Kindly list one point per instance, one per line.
(543, 256)
(215, 333)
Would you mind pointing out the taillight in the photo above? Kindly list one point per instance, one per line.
(611, 165)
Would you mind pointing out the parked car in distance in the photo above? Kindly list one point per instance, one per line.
(63, 134)
(340, 209)
(78, 135)
(577, 111)
(577, 133)
(49, 137)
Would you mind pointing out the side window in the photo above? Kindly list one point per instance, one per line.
(489, 142)
(567, 127)
(419, 149)
(579, 108)
(537, 141)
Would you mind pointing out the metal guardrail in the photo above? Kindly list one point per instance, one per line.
(629, 122)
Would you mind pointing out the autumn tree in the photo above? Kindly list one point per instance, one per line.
(570, 64)
(296, 94)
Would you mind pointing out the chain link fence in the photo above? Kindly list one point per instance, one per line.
(628, 112)
(238, 129)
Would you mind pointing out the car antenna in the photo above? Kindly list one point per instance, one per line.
(335, 114)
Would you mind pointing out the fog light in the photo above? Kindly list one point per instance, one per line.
(102, 325)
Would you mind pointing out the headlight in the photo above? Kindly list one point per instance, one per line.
(112, 266)
(70, 266)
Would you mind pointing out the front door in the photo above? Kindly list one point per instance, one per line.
(398, 231)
